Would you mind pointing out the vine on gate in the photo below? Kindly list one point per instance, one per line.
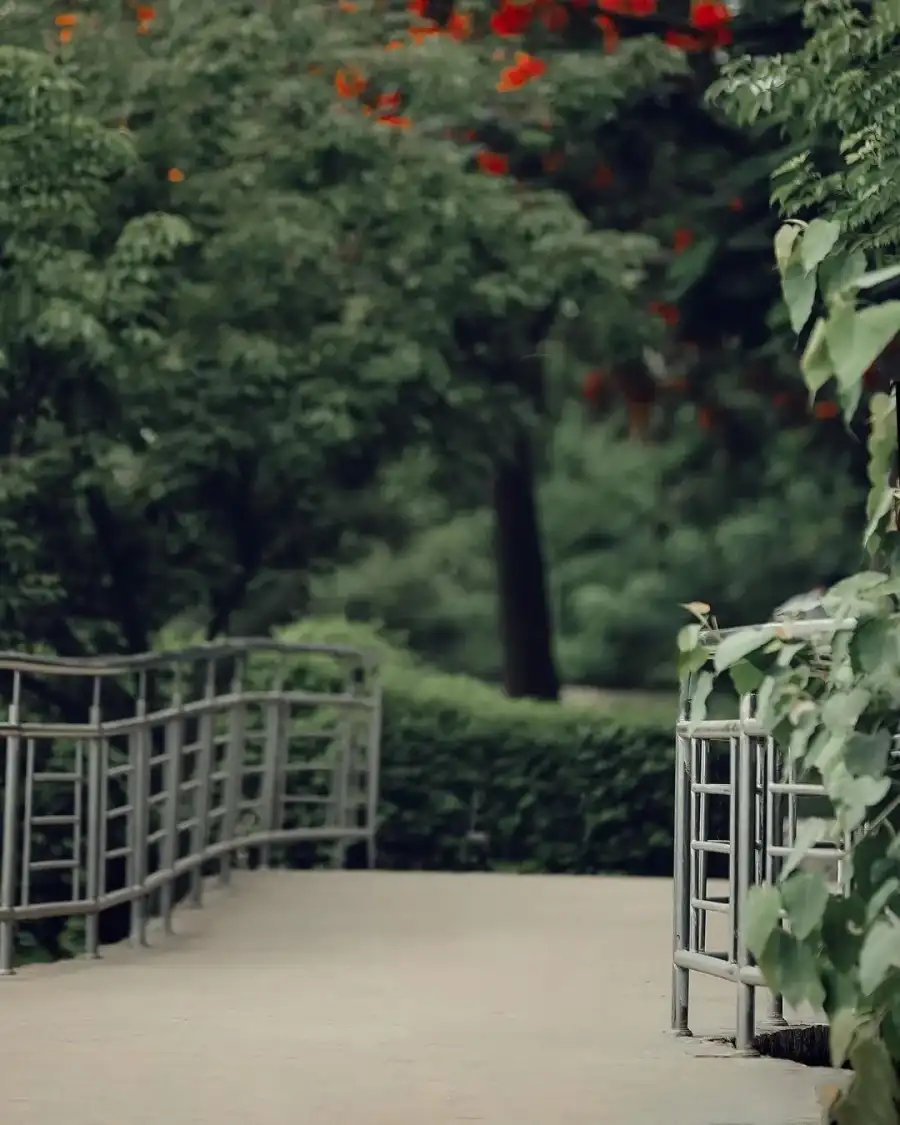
(832, 701)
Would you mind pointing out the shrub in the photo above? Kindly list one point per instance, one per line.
(471, 778)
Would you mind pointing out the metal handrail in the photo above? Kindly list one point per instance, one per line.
(192, 775)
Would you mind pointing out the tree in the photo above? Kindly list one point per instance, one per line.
(304, 334)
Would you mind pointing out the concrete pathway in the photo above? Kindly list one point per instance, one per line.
(351, 998)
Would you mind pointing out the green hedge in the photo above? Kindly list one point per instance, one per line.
(545, 787)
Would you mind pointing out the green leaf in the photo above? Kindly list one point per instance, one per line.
(842, 1030)
(842, 709)
(867, 754)
(785, 239)
(841, 272)
(746, 677)
(880, 954)
(873, 644)
(790, 968)
(700, 695)
(876, 277)
(816, 363)
(809, 832)
(689, 637)
(736, 646)
(763, 917)
(799, 290)
(805, 897)
(856, 338)
(818, 241)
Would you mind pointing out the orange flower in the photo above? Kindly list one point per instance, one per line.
(494, 163)
(398, 121)
(827, 410)
(175, 175)
(66, 19)
(349, 83)
(394, 45)
(522, 71)
(146, 14)
(418, 8)
(683, 239)
(65, 35)
(610, 33)
(512, 19)
(460, 25)
(665, 311)
(389, 102)
(348, 6)
(420, 34)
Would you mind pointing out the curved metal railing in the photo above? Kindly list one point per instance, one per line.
(127, 779)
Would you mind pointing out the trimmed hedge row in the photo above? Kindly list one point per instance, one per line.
(473, 779)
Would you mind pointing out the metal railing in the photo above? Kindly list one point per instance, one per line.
(735, 798)
(128, 779)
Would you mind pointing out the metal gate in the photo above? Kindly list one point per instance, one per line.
(734, 799)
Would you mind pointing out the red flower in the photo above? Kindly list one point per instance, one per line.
(555, 17)
(710, 16)
(736, 204)
(593, 387)
(641, 7)
(494, 163)
(398, 121)
(713, 19)
(683, 239)
(665, 311)
(827, 410)
(349, 83)
(512, 19)
(684, 41)
(523, 70)
(610, 33)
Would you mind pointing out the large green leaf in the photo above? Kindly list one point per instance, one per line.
(805, 897)
(818, 241)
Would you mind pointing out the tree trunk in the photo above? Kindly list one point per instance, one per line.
(524, 611)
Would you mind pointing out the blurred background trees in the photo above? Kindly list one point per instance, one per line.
(460, 320)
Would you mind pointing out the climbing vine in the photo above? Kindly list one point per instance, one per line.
(832, 699)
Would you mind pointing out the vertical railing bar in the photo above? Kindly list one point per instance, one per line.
(27, 813)
(681, 882)
(234, 768)
(774, 838)
(140, 774)
(174, 736)
(94, 825)
(703, 836)
(733, 903)
(10, 832)
(78, 859)
(373, 761)
(205, 763)
(744, 861)
(269, 791)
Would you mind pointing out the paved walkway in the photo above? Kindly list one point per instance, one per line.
(386, 999)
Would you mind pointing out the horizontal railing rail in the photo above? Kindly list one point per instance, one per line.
(126, 776)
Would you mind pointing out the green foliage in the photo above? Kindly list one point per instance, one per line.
(470, 778)
(833, 708)
(630, 530)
